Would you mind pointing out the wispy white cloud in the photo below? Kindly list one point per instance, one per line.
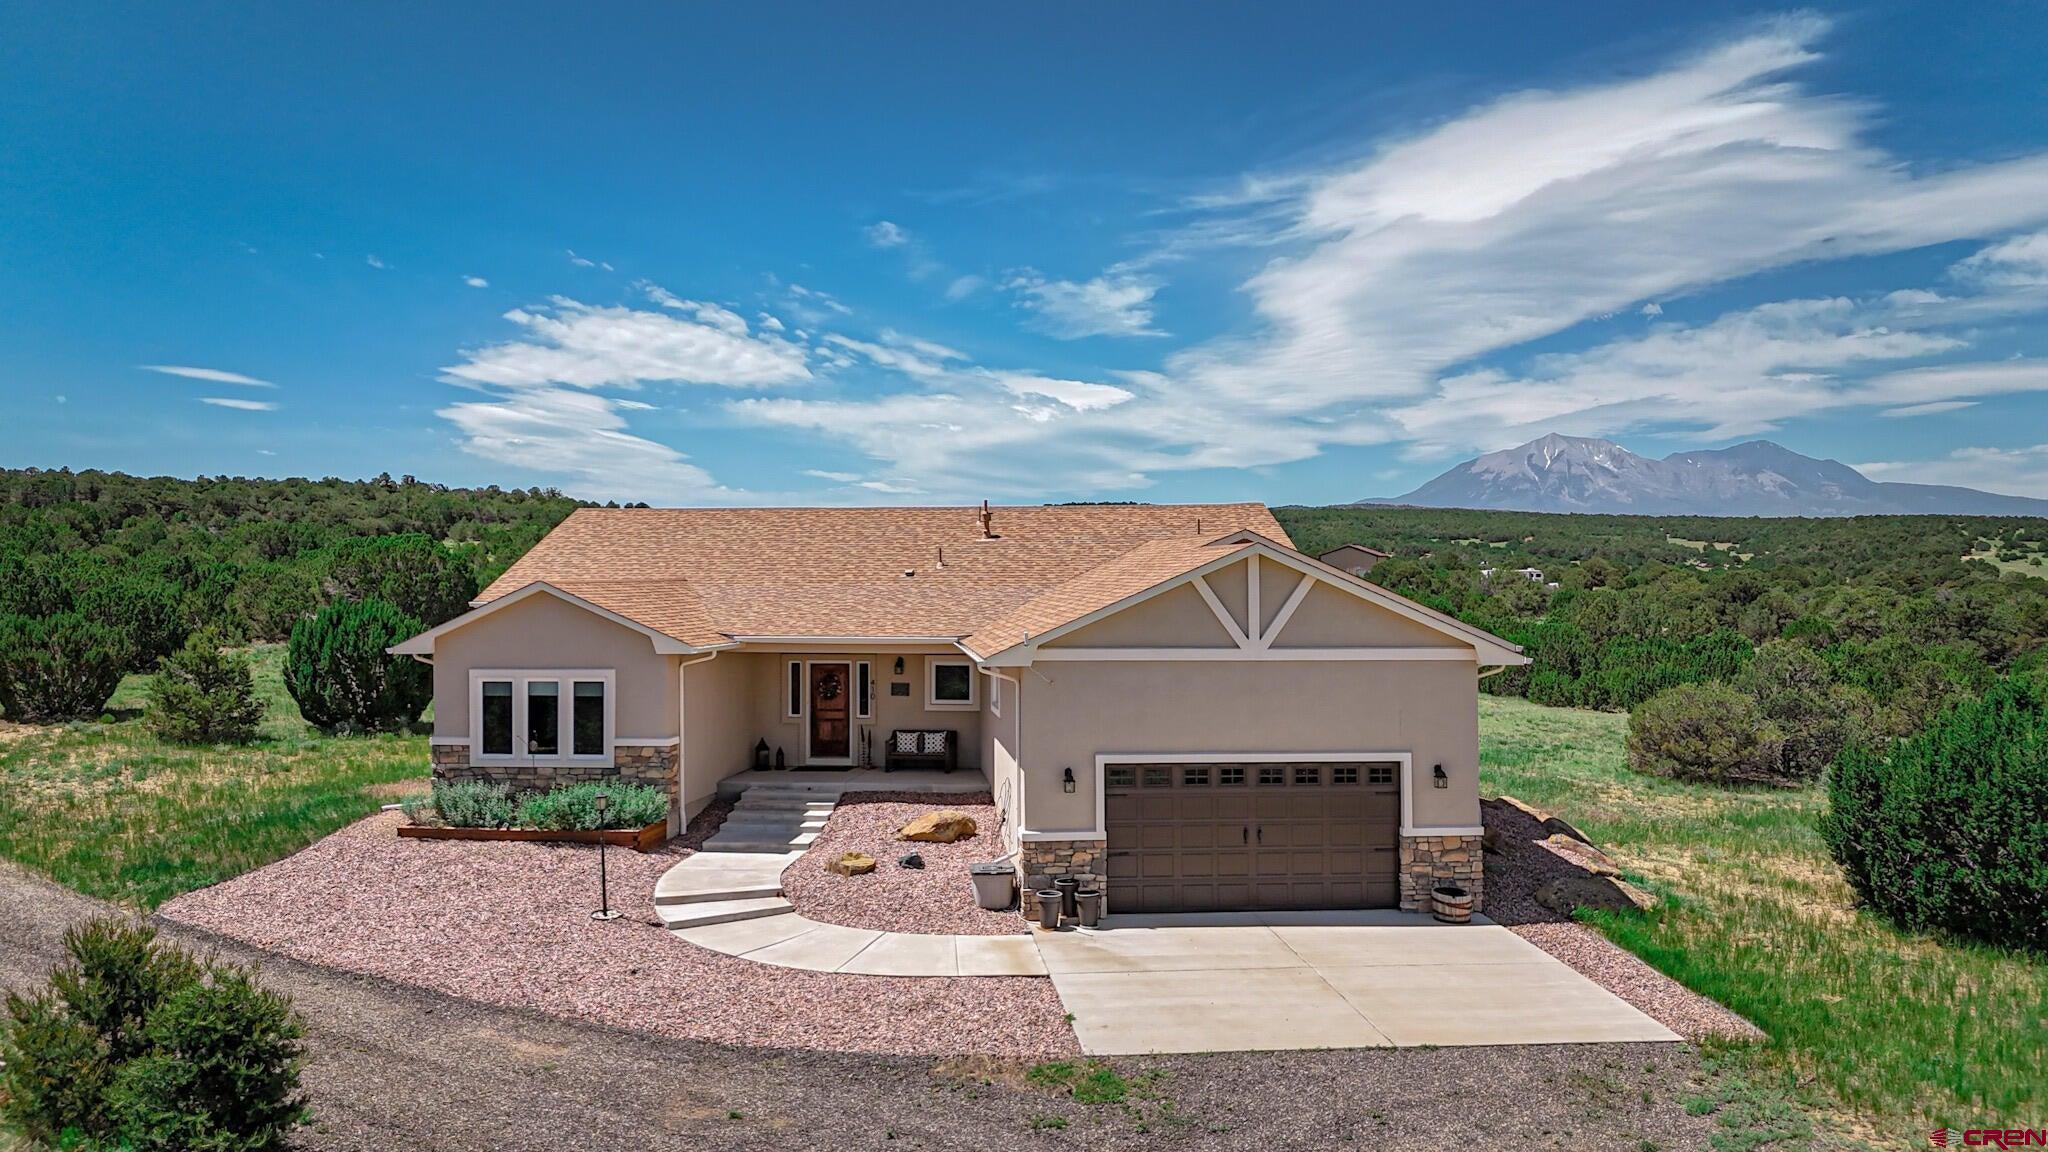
(884, 234)
(542, 408)
(374, 261)
(476, 282)
(2013, 471)
(835, 477)
(1109, 305)
(1931, 408)
(210, 375)
(964, 286)
(238, 404)
(587, 262)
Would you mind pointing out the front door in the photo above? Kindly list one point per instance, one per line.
(831, 705)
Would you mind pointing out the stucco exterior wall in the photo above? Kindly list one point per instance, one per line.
(1003, 753)
(717, 738)
(1175, 619)
(1075, 710)
(542, 632)
(1333, 618)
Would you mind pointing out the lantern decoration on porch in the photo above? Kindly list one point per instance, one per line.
(761, 754)
(780, 764)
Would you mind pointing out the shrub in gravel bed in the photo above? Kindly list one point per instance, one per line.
(471, 804)
(138, 1046)
(574, 808)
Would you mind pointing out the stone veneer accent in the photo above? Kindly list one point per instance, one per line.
(1427, 861)
(654, 764)
(1051, 859)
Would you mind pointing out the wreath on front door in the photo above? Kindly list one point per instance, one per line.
(829, 686)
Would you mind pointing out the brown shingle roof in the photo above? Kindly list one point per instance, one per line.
(706, 574)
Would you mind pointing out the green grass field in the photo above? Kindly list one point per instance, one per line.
(108, 809)
(1894, 1033)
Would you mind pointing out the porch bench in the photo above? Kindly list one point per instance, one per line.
(923, 748)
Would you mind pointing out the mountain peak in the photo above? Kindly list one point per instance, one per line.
(1558, 473)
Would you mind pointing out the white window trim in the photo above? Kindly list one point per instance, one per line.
(1102, 760)
(932, 703)
(864, 702)
(995, 695)
(794, 691)
(565, 714)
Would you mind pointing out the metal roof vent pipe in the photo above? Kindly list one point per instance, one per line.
(987, 522)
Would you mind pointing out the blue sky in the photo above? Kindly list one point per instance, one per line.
(753, 253)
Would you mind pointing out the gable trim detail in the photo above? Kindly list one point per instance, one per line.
(423, 644)
(1256, 642)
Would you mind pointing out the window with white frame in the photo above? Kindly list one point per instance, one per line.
(949, 685)
(561, 716)
(863, 692)
(995, 695)
(794, 681)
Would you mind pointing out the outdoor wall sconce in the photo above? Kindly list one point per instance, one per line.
(1442, 781)
(1066, 779)
(899, 665)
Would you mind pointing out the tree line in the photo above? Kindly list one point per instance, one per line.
(103, 574)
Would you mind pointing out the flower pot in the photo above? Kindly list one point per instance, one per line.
(1049, 909)
(1067, 886)
(1451, 904)
(1090, 903)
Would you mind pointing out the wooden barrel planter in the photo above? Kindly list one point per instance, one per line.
(638, 839)
(1451, 904)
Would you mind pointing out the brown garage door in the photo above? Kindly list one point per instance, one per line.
(1228, 837)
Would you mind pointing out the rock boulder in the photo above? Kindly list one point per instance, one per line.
(1567, 894)
(851, 864)
(941, 827)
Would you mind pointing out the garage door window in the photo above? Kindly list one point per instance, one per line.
(1158, 777)
(1380, 774)
(1307, 774)
(1230, 776)
(1194, 777)
(1121, 777)
(1344, 774)
(1273, 774)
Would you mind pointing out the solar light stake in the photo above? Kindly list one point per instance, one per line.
(605, 911)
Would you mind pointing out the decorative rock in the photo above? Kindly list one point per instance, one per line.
(1567, 894)
(1560, 825)
(1584, 855)
(851, 864)
(910, 860)
(942, 827)
(1526, 809)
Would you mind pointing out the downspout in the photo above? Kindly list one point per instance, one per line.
(682, 720)
(1493, 670)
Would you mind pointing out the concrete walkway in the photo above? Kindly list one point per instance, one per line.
(1267, 981)
(728, 898)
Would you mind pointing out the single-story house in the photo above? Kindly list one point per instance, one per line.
(1356, 559)
(1166, 700)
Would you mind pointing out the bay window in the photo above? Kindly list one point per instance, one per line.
(542, 716)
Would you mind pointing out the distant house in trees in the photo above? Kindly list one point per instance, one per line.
(1356, 559)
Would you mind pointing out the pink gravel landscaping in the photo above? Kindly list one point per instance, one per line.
(509, 924)
(938, 898)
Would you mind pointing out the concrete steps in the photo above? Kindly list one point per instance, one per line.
(774, 818)
(700, 914)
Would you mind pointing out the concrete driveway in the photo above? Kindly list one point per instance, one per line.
(1260, 981)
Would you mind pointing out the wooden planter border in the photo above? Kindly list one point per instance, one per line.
(638, 839)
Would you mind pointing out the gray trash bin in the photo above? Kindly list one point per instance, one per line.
(995, 884)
